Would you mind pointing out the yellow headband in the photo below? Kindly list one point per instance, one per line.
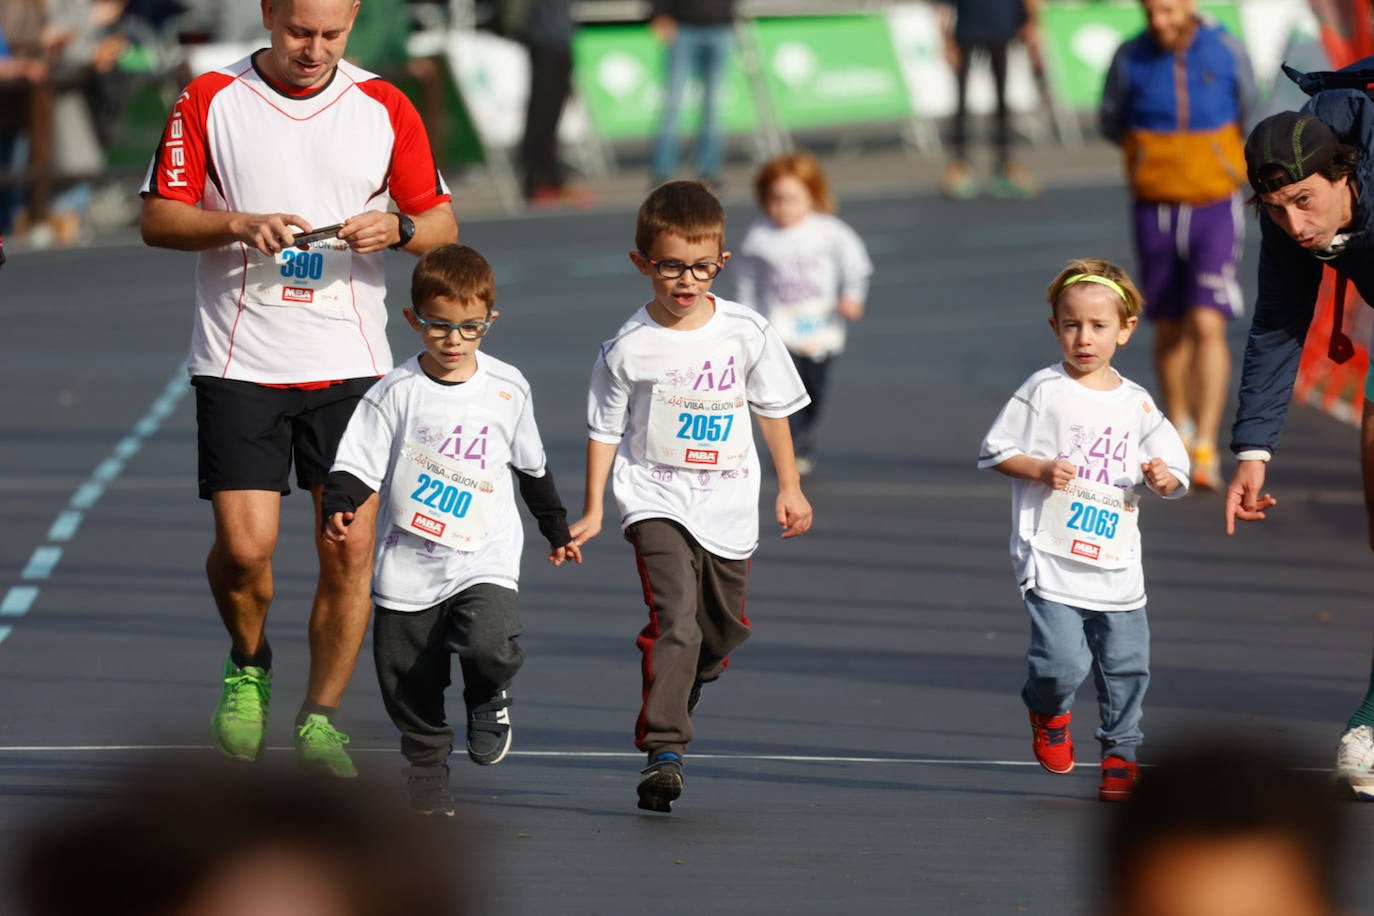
(1093, 278)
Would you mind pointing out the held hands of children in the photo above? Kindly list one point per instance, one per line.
(336, 527)
(569, 551)
(1159, 477)
(584, 529)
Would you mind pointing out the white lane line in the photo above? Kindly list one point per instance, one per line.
(592, 755)
(547, 755)
(5, 632)
(19, 598)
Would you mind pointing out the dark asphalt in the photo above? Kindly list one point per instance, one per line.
(866, 753)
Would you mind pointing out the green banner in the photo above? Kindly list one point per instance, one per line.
(620, 74)
(831, 70)
(1080, 40)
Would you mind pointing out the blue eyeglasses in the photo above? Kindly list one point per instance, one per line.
(468, 330)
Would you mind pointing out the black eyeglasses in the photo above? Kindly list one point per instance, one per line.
(670, 269)
(468, 330)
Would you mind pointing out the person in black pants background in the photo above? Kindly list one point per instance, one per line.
(989, 26)
(546, 32)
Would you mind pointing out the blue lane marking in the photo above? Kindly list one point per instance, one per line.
(65, 525)
(45, 558)
(18, 600)
(41, 564)
(108, 470)
(86, 495)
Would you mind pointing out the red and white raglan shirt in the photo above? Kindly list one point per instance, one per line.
(440, 458)
(677, 404)
(237, 142)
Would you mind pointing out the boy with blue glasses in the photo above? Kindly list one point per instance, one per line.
(434, 441)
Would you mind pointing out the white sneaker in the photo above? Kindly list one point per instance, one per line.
(1355, 761)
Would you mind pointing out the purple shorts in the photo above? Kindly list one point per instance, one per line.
(1187, 257)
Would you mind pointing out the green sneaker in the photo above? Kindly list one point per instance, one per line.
(239, 725)
(320, 746)
(1013, 181)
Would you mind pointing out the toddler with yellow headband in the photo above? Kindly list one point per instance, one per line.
(1081, 443)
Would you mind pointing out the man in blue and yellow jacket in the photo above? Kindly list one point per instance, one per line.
(1175, 101)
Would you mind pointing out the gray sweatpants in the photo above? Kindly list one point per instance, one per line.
(412, 650)
(696, 619)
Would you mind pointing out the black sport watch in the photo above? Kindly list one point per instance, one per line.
(406, 226)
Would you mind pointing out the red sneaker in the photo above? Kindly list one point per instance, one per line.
(1053, 745)
(1118, 779)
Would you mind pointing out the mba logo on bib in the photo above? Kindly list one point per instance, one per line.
(429, 525)
(1086, 550)
(702, 456)
(297, 294)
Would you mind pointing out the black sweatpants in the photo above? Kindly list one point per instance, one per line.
(412, 650)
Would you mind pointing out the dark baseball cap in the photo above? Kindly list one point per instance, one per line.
(1286, 148)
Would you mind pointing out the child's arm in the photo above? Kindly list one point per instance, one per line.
(541, 496)
(600, 456)
(1053, 474)
(1163, 459)
(343, 494)
(1159, 477)
(793, 510)
(855, 269)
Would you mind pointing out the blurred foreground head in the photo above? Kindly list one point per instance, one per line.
(214, 839)
(1225, 830)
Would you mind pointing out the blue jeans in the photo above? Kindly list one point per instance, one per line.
(700, 51)
(1068, 642)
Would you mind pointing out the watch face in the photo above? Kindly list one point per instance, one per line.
(406, 228)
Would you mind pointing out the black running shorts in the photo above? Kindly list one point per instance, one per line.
(248, 435)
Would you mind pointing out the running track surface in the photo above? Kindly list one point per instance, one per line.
(867, 752)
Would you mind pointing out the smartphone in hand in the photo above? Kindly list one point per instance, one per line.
(302, 239)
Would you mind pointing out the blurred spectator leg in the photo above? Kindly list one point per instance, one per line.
(430, 73)
(713, 48)
(665, 155)
(11, 176)
(39, 198)
(1010, 178)
(959, 182)
(550, 85)
(76, 154)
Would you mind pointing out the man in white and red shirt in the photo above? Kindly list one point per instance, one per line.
(288, 336)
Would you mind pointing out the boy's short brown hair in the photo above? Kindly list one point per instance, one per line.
(684, 208)
(455, 272)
